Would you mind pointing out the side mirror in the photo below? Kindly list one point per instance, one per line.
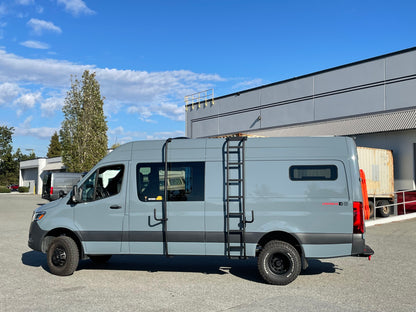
(75, 196)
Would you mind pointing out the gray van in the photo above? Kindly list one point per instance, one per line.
(283, 200)
(58, 184)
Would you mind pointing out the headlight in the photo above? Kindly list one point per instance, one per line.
(38, 215)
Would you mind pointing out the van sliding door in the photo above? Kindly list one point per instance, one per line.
(181, 229)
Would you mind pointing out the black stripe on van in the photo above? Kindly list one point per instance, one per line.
(207, 237)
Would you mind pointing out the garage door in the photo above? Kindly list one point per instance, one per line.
(30, 178)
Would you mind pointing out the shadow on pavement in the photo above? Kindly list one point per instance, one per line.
(317, 267)
(35, 259)
(245, 269)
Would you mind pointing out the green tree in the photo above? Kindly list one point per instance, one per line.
(55, 147)
(19, 156)
(10, 163)
(84, 130)
(7, 164)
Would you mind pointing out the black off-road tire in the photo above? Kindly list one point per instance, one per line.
(279, 263)
(63, 256)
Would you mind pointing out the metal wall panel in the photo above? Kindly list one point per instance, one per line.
(401, 65)
(203, 128)
(401, 94)
(347, 77)
(350, 103)
(287, 114)
(286, 91)
(376, 86)
(239, 122)
(238, 102)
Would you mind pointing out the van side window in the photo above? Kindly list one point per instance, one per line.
(313, 173)
(102, 183)
(185, 181)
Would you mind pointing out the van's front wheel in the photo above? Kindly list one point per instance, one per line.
(279, 263)
(63, 256)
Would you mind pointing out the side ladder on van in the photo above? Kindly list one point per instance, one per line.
(235, 214)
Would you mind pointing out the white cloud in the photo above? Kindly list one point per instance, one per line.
(139, 92)
(46, 72)
(26, 123)
(172, 111)
(76, 7)
(35, 44)
(51, 105)
(8, 91)
(119, 135)
(25, 129)
(39, 26)
(41, 133)
(28, 100)
(143, 111)
(117, 131)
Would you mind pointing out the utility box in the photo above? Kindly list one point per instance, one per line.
(378, 167)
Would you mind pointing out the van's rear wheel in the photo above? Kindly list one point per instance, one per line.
(279, 263)
(63, 256)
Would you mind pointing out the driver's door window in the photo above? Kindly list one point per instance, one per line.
(104, 182)
(87, 188)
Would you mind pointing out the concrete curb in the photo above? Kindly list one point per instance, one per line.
(17, 193)
(390, 219)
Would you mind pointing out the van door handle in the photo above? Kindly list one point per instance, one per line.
(157, 219)
(115, 207)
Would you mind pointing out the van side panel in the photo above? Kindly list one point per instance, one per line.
(215, 225)
(313, 211)
(185, 219)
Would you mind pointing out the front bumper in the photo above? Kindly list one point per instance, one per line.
(36, 235)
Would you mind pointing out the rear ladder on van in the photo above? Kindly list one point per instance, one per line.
(235, 214)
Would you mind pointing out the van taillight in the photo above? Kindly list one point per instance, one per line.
(358, 211)
(51, 191)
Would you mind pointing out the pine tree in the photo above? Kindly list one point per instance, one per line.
(84, 129)
(55, 147)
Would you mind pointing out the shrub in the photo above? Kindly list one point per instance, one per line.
(23, 189)
(4, 189)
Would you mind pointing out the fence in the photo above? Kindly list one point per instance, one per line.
(400, 202)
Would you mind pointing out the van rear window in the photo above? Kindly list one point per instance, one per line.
(313, 173)
(185, 181)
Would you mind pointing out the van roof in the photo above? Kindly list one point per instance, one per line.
(269, 147)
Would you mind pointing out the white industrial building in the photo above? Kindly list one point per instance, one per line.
(373, 100)
(30, 173)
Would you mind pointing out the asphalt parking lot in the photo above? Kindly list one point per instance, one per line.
(150, 283)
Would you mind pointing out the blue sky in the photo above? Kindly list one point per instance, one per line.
(148, 55)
